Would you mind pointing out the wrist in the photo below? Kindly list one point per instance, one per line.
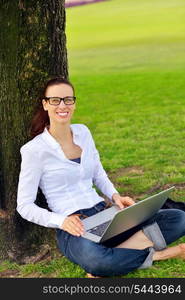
(115, 196)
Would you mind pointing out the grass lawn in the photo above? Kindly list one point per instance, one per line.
(127, 62)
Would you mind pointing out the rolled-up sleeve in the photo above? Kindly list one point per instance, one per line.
(100, 177)
(29, 178)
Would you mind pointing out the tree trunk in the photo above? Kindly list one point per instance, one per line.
(32, 48)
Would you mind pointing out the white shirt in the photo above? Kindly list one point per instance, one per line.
(67, 185)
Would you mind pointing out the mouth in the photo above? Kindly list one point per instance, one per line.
(62, 114)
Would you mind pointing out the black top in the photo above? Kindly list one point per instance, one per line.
(77, 160)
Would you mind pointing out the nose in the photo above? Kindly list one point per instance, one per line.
(62, 104)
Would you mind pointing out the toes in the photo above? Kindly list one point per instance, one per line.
(182, 247)
(88, 275)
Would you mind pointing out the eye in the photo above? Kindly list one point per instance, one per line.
(69, 100)
(54, 100)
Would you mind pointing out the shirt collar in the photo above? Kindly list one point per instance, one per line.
(51, 140)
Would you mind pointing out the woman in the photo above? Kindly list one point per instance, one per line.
(62, 159)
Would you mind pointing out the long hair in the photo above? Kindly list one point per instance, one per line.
(41, 119)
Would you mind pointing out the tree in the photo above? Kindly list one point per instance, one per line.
(32, 48)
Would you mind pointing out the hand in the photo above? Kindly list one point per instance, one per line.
(73, 225)
(122, 201)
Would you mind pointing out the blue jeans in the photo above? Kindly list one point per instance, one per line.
(105, 259)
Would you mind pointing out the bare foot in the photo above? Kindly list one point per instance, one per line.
(171, 252)
(89, 275)
(182, 247)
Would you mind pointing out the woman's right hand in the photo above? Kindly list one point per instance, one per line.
(73, 225)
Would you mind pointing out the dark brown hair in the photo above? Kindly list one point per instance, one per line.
(41, 118)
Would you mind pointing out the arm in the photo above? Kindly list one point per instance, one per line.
(29, 178)
(102, 181)
(100, 178)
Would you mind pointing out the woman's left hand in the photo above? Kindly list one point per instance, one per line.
(122, 202)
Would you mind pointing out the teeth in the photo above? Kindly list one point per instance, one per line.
(63, 114)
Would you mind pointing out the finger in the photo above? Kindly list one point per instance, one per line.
(73, 230)
(78, 223)
(128, 201)
(76, 227)
(131, 202)
(120, 204)
(78, 220)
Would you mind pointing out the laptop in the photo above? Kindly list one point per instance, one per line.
(112, 221)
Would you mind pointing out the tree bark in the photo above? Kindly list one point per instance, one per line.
(32, 49)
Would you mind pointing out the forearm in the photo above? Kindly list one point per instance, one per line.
(104, 184)
(115, 196)
(33, 213)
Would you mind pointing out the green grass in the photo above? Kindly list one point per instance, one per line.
(127, 62)
(126, 59)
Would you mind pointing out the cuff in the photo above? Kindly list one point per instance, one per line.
(110, 193)
(155, 235)
(56, 220)
(149, 259)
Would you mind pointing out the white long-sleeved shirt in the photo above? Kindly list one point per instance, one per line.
(67, 185)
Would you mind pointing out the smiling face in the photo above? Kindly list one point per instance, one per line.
(61, 113)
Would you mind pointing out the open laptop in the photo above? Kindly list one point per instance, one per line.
(112, 221)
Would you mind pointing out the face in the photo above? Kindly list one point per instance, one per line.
(61, 113)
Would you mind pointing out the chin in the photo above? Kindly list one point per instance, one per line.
(62, 121)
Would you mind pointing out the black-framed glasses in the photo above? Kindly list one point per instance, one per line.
(69, 100)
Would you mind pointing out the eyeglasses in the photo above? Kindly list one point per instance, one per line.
(57, 100)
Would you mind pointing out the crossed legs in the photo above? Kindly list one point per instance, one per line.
(140, 241)
(136, 250)
(171, 227)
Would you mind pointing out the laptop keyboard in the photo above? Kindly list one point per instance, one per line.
(99, 230)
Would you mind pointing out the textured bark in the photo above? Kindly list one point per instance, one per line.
(32, 48)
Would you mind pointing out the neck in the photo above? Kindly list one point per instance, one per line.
(60, 132)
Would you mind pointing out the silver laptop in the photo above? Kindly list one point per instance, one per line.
(112, 221)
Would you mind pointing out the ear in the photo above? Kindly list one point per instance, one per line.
(44, 104)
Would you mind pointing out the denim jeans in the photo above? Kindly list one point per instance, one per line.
(106, 260)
